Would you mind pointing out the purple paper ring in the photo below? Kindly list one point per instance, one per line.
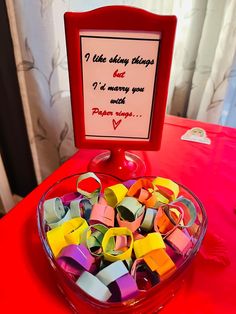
(67, 198)
(129, 183)
(125, 287)
(74, 258)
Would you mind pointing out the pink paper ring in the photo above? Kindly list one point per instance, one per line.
(131, 225)
(103, 214)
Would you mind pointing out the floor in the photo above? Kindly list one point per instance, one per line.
(16, 199)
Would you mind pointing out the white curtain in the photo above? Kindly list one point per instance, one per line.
(228, 115)
(37, 29)
(203, 73)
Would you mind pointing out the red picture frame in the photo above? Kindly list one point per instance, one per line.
(118, 19)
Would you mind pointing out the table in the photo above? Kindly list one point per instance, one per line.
(208, 170)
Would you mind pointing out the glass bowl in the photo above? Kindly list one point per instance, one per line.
(150, 301)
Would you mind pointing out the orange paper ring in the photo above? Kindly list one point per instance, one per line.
(162, 221)
(159, 261)
(138, 185)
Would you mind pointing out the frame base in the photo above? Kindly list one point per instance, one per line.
(121, 164)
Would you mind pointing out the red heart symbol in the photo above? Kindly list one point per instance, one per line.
(116, 123)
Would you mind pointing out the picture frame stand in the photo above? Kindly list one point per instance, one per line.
(119, 62)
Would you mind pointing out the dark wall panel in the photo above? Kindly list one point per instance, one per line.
(14, 143)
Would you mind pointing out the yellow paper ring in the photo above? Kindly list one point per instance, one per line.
(115, 194)
(113, 232)
(67, 233)
(153, 241)
(169, 184)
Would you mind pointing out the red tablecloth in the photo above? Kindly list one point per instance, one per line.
(26, 284)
